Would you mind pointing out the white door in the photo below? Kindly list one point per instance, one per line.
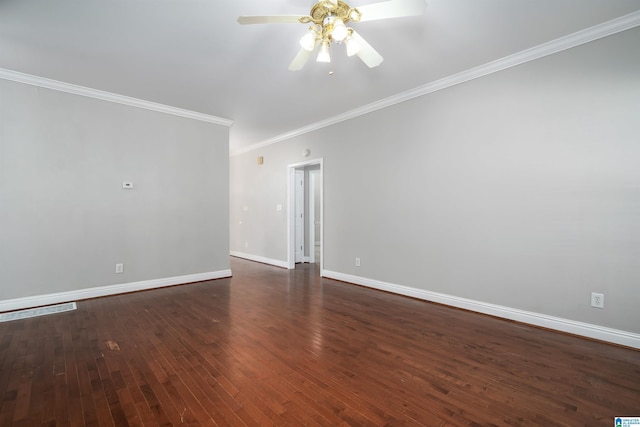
(299, 214)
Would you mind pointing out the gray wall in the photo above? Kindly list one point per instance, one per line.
(521, 188)
(65, 220)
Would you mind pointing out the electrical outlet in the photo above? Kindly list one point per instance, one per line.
(119, 268)
(357, 262)
(597, 300)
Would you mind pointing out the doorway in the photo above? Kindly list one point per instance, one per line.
(305, 213)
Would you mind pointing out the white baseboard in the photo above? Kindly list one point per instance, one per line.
(101, 291)
(588, 330)
(261, 259)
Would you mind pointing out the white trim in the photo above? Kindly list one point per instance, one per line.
(588, 330)
(313, 177)
(578, 38)
(258, 258)
(101, 291)
(107, 96)
(291, 222)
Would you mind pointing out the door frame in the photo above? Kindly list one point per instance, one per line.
(314, 176)
(301, 209)
(291, 224)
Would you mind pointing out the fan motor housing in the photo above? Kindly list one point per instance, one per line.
(323, 9)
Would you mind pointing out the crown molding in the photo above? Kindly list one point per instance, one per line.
(578, 38)
(108, 96)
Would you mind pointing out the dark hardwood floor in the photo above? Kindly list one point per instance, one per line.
(277, 347)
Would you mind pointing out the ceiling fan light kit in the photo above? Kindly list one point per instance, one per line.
(329, 19)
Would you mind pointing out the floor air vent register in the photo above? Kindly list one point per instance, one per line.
(39, 311)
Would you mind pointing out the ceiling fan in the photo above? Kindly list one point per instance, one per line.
(328, 21)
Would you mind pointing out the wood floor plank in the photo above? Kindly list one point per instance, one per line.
(287, 348)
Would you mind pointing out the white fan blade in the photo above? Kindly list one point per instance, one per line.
(367, 53)
(392, 9)
(301, 58)
(285, 19)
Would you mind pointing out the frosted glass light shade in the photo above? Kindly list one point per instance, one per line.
(308, 41)
(353, 46)
(339, 32)
(324, 55)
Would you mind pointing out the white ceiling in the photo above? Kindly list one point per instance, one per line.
(192, 54)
